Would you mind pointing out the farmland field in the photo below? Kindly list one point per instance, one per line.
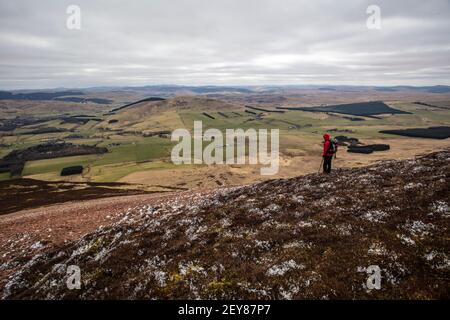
(137, 134)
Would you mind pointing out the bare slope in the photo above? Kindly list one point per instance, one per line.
(147, 108)
(304, 237)
(22, 194)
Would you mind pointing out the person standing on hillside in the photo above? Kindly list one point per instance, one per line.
(329, 149)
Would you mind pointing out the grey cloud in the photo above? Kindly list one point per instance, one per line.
(223, 42)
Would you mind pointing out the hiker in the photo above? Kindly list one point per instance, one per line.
(329, 149)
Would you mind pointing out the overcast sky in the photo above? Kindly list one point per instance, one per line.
(253, 42)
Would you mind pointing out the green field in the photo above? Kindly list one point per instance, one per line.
(130, 151)
(145, 150)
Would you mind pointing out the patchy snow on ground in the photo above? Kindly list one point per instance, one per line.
(377, 249)
(441, 207)
(419, 228)
(406, 240)
(375, 216)
(297, 238)
(281, 269)
(37, 245)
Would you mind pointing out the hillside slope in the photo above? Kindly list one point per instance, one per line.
(163, 115)
(304, 237)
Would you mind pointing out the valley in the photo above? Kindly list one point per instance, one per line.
(134, 130)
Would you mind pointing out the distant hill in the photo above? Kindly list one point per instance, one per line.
(430, 89)
(150, 99)
(66, 96)
(6, 95)
(84, 100)
(156, 104)
(172, 89)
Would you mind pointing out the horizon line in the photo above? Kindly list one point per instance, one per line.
(228, 85)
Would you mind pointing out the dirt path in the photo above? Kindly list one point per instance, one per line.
(70, 220)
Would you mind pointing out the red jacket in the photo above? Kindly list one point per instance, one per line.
(326, 146)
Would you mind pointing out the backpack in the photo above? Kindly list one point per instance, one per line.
(332, 148)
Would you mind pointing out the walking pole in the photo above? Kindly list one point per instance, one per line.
(320, 165)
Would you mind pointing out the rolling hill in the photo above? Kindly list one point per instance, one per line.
(306, 237)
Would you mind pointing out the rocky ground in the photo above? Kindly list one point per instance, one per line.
(306, 237)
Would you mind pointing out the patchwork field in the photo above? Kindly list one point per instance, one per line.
(137, 135)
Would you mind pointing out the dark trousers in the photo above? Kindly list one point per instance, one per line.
(327, 164)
